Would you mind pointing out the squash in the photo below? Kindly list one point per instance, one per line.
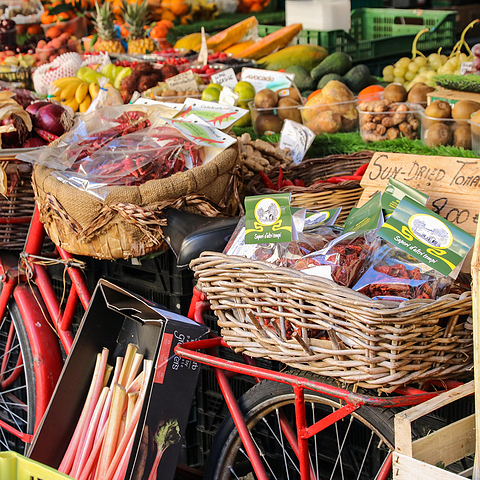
(274, 41)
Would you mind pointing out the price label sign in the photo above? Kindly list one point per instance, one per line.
(225, 78)
(182, 81)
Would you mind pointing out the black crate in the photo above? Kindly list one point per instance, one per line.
(160, 271)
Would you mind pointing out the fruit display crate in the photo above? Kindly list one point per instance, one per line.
(14, 466)
(381, 32)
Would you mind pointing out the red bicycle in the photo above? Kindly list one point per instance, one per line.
(287, 426)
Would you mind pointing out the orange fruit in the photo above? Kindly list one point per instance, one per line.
(313, 94)
(167, 23)
(372, 90)
(178, 7)
(256, 7)
(168, 15)
(53, 32)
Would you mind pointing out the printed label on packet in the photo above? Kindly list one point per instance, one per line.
(261, 79)
(297, 138)
(220, 116)
(426, 236)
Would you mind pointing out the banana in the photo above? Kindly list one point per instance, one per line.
(63, 82)
(72, 103)
(93, 89)
(83, 107)
(68, 92)
(81, 92)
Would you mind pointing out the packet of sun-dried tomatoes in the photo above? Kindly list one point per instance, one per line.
(395, 273)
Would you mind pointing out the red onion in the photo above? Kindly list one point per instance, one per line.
(34, 142)
(33, 108)
(54, 119)
(14, 139)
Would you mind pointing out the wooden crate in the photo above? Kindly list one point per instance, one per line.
(417, 459)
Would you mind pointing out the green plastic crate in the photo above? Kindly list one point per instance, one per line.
(14, 466)
(382, 32)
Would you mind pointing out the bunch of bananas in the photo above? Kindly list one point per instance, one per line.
(75, 93)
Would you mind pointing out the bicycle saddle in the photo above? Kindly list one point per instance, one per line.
(190, 234)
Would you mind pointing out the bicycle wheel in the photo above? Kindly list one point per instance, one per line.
(353, 448)
(17, 380)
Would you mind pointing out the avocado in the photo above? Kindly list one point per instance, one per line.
(357, 78)
(338, 62)
(303, 80)
(326, 78)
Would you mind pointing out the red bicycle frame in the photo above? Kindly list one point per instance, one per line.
(45, 321)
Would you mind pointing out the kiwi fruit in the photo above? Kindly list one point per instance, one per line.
(290, 93)
(464, 109)
(462, 137)
(439, 109)
(288, 108)
(438, 134)
(418, 93)
(266, 99)
(266, 122)
(395, 92)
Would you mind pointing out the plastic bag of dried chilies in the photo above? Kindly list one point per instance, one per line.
(395, 273)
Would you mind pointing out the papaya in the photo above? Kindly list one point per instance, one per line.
(231, 35)
(190, 42)
(306, 56)
(238, 48)
(274, 41)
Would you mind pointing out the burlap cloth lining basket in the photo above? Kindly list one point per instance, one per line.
(375, 344)
(128, 223)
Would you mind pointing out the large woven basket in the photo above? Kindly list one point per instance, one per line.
(321, 195)
(128, 223)
(375, 344)
(17, 206)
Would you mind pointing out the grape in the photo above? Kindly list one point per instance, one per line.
(399, 71)
(388, 78)
(387, 71)
(413, 67)
(424, 69)
(476, 50)
(452, 62)
(444, 58)
(457, 71)
(410, 75)
(403, 62)
(398, 80)
(433, 57)
(420, 61)
(463, 57)
(430, 74)
(446, 69)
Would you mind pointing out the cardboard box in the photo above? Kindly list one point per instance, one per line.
(451, 96)
(114, 319)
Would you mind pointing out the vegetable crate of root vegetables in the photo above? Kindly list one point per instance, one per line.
(317, 183)
(314, 324)
(121, 404)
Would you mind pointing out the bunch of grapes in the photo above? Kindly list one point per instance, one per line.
(476, 60)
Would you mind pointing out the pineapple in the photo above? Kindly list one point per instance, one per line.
(136, 16)
(108, 41)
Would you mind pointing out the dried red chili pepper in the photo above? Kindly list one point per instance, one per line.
(361, 170)
(267, 182)
(280, 179)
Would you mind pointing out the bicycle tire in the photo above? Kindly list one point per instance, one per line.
(21, 412)
(226, 460)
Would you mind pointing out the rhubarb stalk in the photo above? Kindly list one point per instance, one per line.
(136, 364)
(98, 380)
(69, 457)
(127, 364)
(168, 434)
(94, 455)
(113, 428)
(132, 425)
(87, 446)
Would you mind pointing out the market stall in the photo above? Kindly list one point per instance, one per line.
(342, 159)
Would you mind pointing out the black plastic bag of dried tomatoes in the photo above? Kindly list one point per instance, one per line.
(393, 273)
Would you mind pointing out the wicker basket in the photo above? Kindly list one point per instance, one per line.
(322, 195)
(16, 208)
(128, 222)
(375, 344)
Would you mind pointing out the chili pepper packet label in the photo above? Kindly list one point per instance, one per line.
(397, 190)
(315, 219)
(268, 219)
(367, 217)
(297, 138)
(427, 237)
(220, 116)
